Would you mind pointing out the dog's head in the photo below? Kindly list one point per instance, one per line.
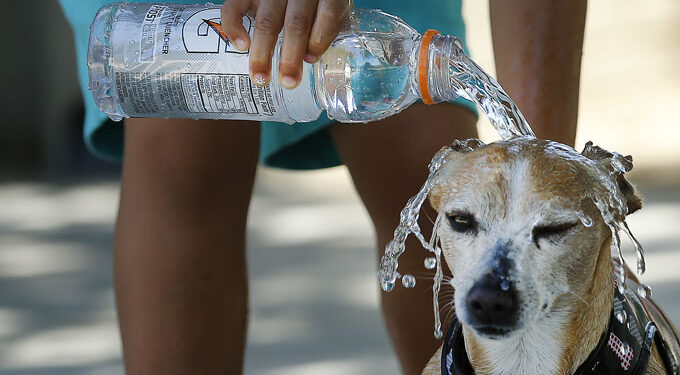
(512, 237)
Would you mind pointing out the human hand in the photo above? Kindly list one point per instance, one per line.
(309, 27)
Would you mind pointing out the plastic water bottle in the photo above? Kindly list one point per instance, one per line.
(174, 61)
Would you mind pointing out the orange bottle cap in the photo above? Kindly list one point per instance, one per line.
(423, 55)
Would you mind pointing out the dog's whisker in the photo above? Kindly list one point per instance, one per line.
(423, 275)
(427, 215)
(579, 297)
(450, 313)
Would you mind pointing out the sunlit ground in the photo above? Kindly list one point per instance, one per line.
(314, 294)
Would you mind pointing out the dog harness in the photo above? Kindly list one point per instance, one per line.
(635, 324)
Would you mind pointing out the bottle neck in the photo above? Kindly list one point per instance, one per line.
(437, 56)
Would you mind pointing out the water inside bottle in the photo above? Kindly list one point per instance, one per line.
(470, 81)
(365, 76)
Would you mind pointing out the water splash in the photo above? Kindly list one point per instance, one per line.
(607, 170)
(438, 275)
(639, 251)
(473, 83)
(465, 79)
(408, 224)
(586, 220)
(462, 77)
(468, 80)
(603, 171)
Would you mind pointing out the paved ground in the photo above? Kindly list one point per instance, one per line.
(314, 293)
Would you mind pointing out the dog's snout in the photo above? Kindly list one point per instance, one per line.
(493, 302)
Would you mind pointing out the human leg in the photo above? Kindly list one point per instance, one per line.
(179, 259)
(388, 163)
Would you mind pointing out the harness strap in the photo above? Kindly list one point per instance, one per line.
(623, 349)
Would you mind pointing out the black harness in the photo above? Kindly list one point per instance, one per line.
(635, 324)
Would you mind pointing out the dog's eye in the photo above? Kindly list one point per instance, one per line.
(550, 231)
(462, 222)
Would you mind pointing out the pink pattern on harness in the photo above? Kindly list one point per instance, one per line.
(621, 349)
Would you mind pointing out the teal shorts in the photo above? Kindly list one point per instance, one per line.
(298, 146)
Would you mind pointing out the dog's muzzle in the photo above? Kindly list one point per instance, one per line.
(492, 305)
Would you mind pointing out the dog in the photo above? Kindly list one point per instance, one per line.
(535, 289)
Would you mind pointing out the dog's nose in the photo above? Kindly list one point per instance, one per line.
(489, 302)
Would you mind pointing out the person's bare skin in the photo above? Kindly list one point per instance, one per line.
(309, 27)
(180, 273)
(179, 254)
(537, 47)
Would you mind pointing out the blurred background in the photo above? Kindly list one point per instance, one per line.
(314, 295)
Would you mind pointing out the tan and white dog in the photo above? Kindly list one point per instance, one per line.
(534, 287)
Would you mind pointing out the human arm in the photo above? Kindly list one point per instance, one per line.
(537, 48)
(309, 27)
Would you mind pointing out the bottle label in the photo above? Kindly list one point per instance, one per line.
(174, 61)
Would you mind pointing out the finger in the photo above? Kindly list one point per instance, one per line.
(232, 23)
(268, 23)
(296, 28)
(330, 16)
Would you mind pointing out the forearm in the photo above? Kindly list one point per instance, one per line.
(537, 48)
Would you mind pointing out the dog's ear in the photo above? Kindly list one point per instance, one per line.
(623, 164)
(457, 148)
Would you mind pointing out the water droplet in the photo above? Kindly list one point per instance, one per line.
(387, 286)
(505, 285)
(624, 349)
(621, 287)
(621, 316)
(132, 42)
(586, 220)
(639, 251)
(438, 334)
(430, 263)
(408, 281)
(618, 162)
(644, 291)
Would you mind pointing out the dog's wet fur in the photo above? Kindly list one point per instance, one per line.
(533, 285)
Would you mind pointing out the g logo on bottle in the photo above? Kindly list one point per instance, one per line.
(202, 33)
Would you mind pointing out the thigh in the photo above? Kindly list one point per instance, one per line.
(388, 163)
(388, 159)
(189, 165)
(179, 259)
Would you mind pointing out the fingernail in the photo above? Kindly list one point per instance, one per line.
(260, 79)
(310, 58)
(241, 44)
(288, 82)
